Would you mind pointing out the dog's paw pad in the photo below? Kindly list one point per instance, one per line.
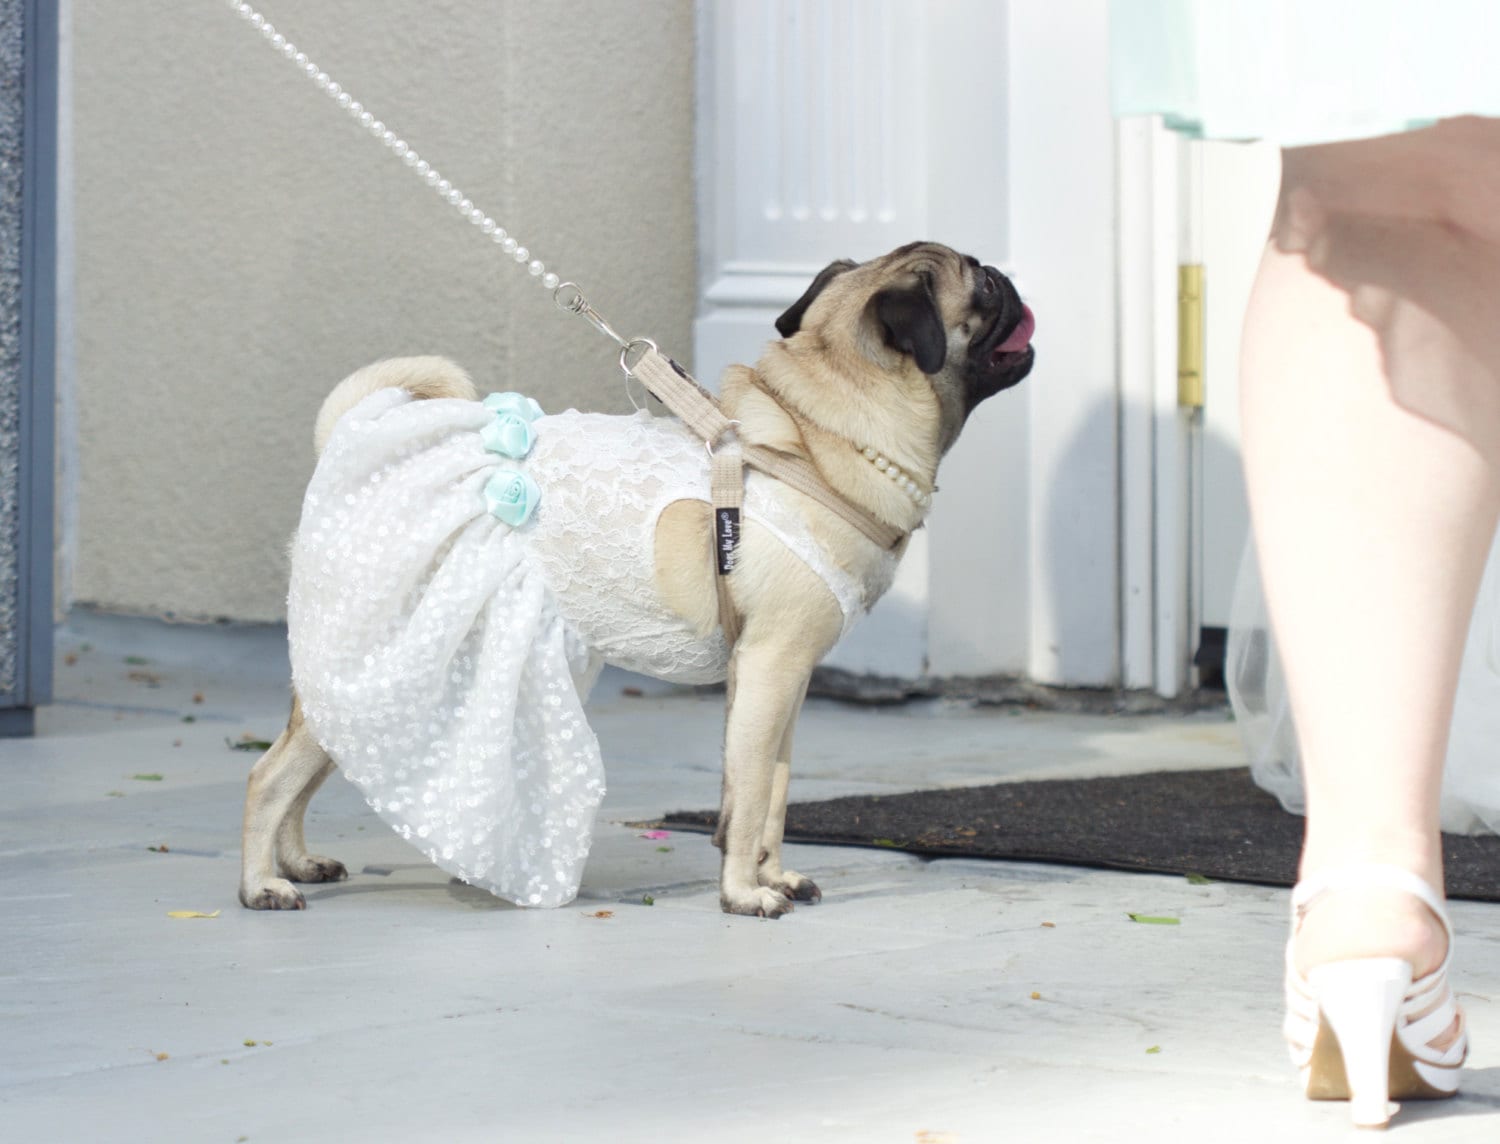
(276, 894)
(761, 902)
(315, 868)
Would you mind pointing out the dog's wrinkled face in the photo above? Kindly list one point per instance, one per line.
(925, 305)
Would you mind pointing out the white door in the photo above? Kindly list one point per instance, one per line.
(844, 128)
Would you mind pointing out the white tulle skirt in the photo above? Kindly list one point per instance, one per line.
(430, 656)
(1257, 691)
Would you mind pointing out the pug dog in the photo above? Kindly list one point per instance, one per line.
(462, 570)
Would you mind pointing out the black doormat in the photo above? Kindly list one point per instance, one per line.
(1216, 823)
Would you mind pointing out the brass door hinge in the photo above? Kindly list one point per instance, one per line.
(1190, 336)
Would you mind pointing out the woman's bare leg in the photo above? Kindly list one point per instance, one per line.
(1370, 443)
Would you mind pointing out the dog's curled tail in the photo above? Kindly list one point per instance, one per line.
(419, 376)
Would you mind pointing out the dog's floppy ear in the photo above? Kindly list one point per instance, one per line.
(909, 319)
(791, 321)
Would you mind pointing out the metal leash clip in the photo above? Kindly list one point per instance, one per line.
(570, 298)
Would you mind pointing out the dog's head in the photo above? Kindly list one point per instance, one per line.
(923, 308)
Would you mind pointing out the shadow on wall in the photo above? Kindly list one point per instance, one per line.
(1084, 570)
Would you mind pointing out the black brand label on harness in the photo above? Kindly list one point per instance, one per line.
(726, 538)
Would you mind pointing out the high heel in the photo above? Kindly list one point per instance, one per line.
(1362, 1030)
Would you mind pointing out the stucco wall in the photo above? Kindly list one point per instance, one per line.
(241, 246)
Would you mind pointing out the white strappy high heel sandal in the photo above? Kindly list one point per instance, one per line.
(1362, 1030)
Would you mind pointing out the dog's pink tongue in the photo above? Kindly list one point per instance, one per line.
(1020, 337)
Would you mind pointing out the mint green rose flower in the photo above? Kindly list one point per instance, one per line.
(511, 496)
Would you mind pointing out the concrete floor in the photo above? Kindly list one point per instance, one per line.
(923, 1002)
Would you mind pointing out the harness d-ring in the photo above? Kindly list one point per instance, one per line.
(627, 363)
(644, 345)
(709, 445)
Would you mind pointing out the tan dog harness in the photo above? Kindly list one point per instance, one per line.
(700, 412)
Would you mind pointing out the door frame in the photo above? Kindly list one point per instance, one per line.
(1160, 490)
(33, 549)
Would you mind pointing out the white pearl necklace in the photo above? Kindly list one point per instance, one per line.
(398, 147)
(901, 479)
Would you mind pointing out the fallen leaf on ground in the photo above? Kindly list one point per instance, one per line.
(601, 914)
(147, 778)
(647, 900)
(656, 834)
(162, 849)
(191, 914)
(198, 697)
(1154, 1049)
(249, 743)
(163, 1056)
(249, 1044)
(891, 842)
(632, 692)
(1036, 996)
(149, 678)
(1149, 920)
(137, 659)
(70, 659)
(1199, 880)
(664, 850)
(1049, 925)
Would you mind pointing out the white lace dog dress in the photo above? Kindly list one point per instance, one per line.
(442, 655)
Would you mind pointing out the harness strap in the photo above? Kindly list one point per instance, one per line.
(727, 490)
(700, 412)
(805, 478)
(681, 394)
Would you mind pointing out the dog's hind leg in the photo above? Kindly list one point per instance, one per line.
(292, 858)
(770, 873)
(281, 785)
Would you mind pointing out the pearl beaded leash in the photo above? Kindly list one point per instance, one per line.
(566, 295)
(638, 356)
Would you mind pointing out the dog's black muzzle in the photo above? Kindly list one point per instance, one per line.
(1001, 356)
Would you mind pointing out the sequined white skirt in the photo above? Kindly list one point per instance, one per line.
(430, 658)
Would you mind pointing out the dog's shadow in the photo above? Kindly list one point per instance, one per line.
(376, 880)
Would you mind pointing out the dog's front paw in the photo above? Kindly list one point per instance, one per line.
(277, 894)
(796, 887)
(760, 902)
(314, 868)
